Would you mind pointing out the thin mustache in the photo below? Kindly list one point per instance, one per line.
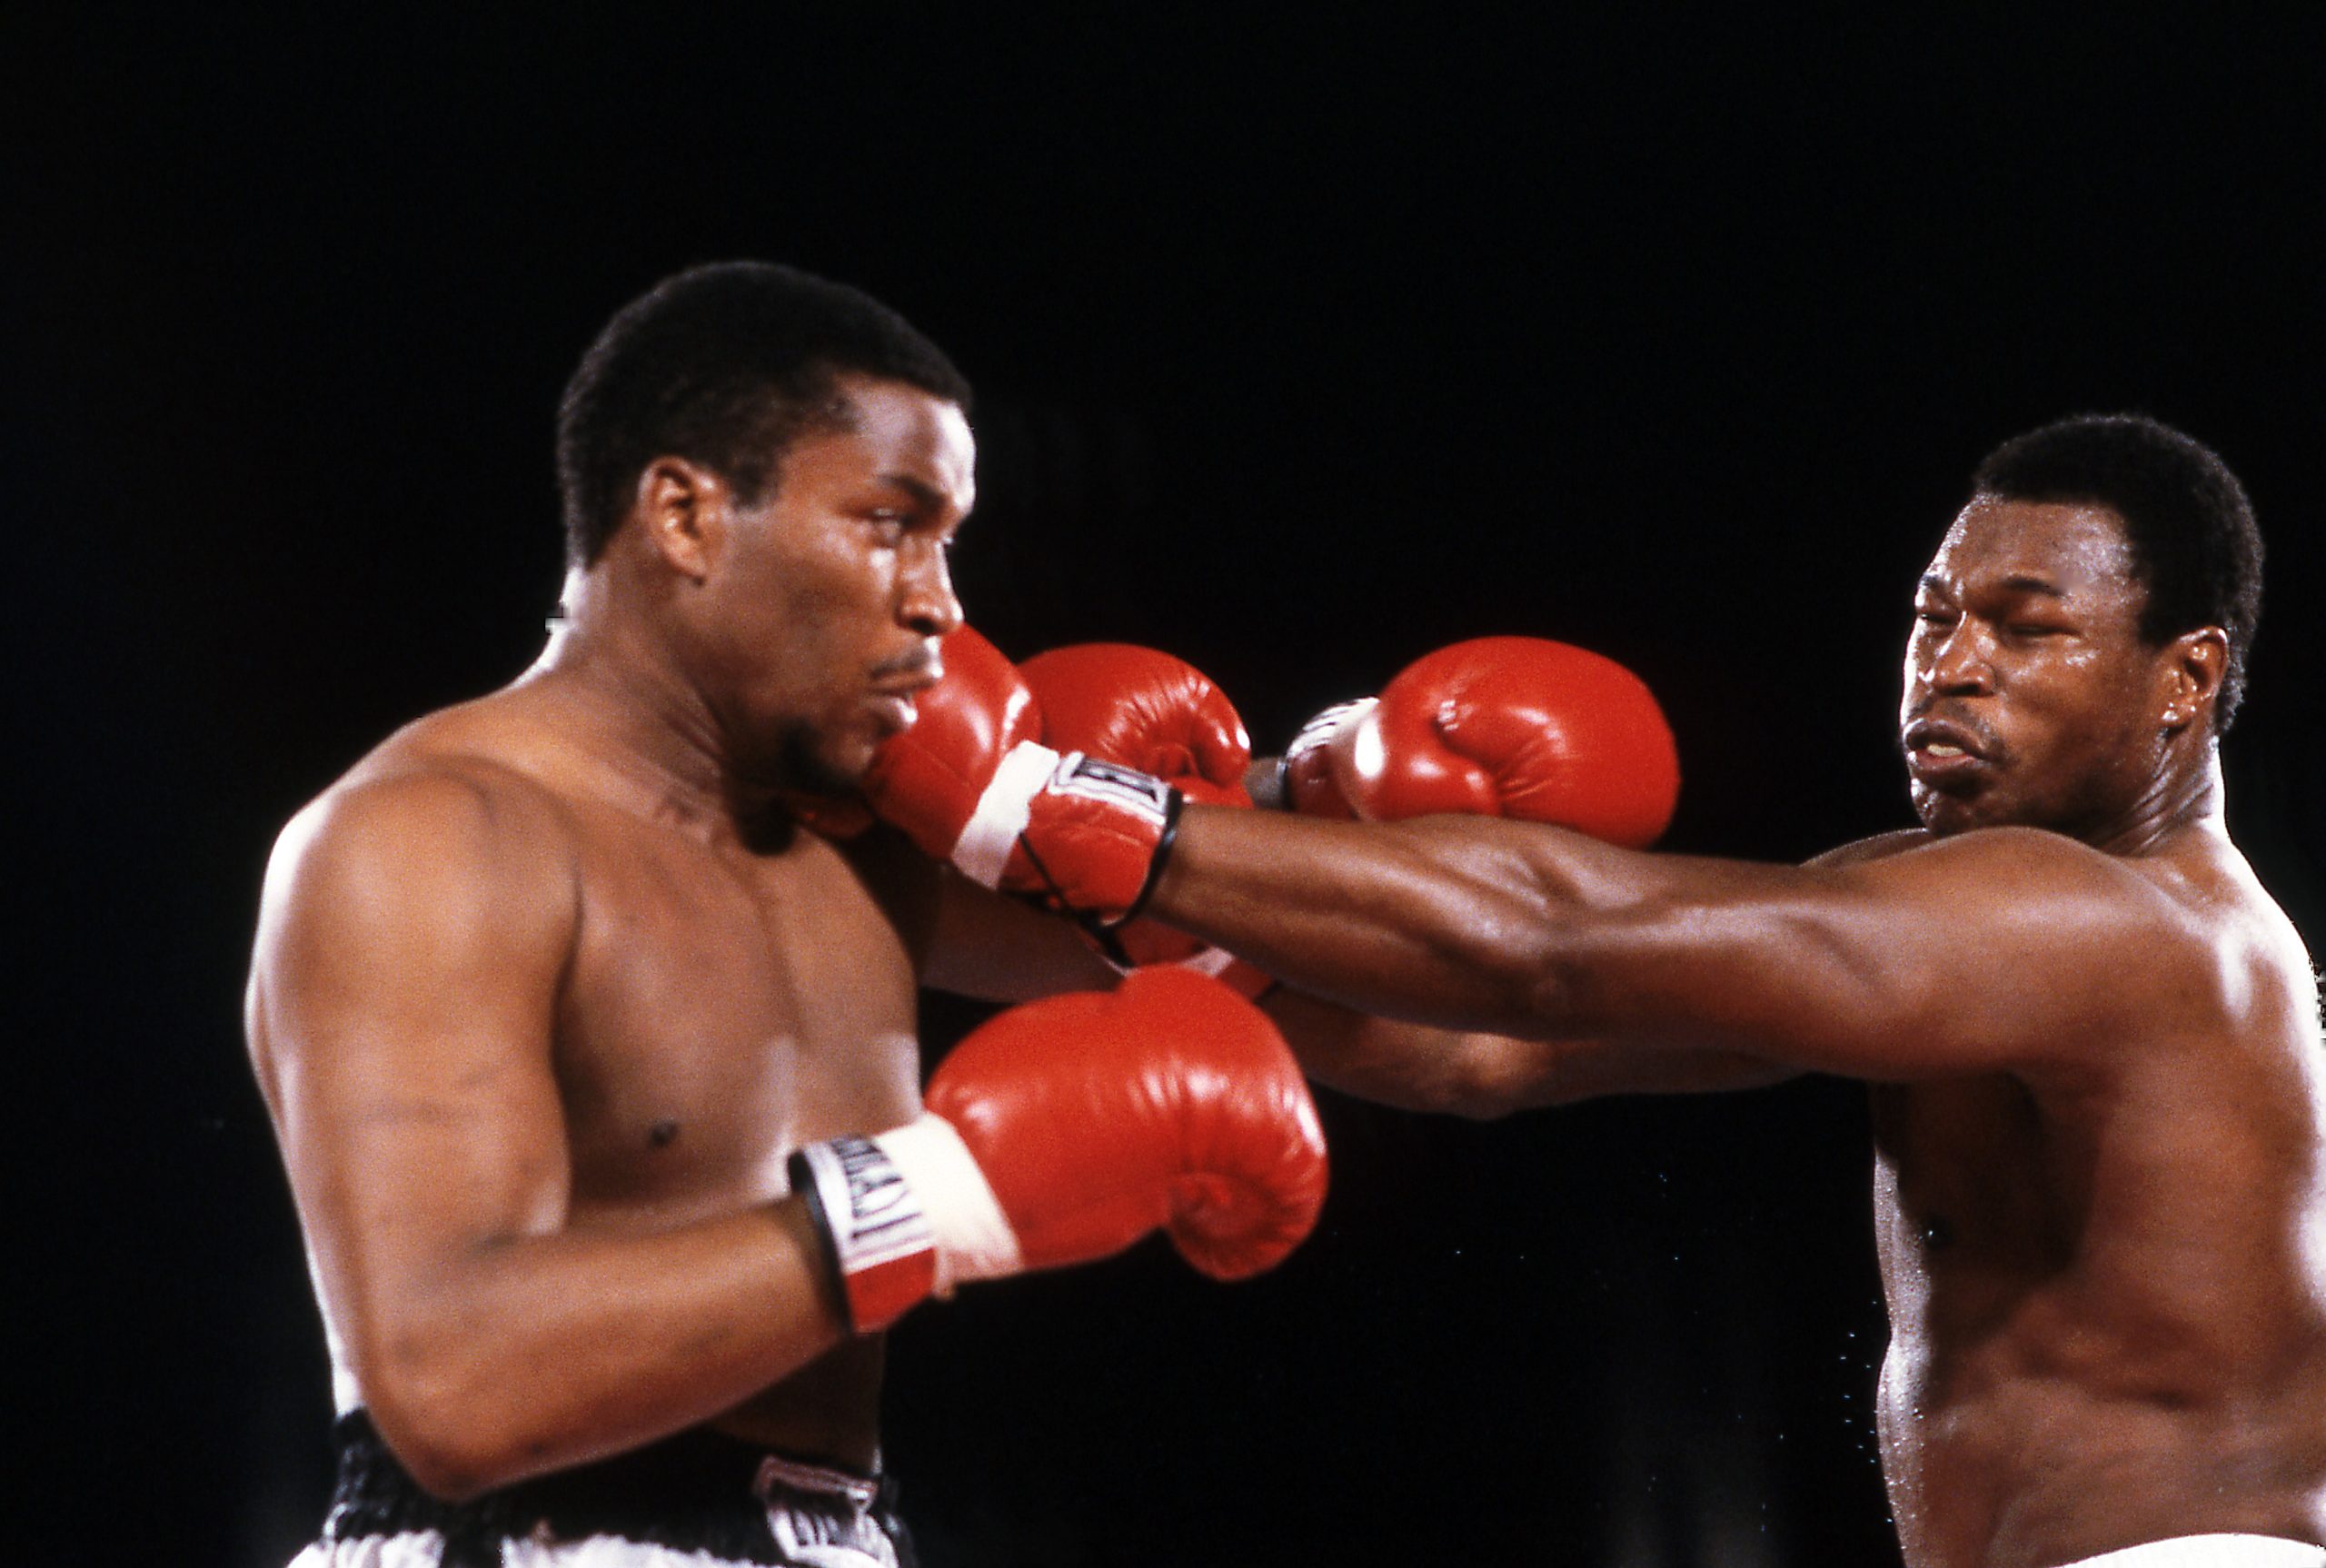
(928, 664)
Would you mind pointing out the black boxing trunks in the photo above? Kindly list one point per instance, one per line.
(697, 1500)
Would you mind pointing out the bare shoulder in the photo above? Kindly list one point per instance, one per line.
(2260, 954)
(442, 833)
(454, 777)
(1881, 845)
(2000, 950)
(2020, 872)
(2147, 930)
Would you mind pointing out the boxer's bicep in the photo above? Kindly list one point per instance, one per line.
(408, 960)
(2003, 955)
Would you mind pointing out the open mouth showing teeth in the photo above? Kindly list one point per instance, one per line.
(1937, 745)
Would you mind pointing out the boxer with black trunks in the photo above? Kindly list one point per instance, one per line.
(2093, 1038)
(595, 1072)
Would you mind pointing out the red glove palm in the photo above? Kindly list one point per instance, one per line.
(928, 779)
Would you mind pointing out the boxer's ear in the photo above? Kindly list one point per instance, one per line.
(2194, 663)
(681, 509)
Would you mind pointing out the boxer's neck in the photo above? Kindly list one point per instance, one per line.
(2186, 799)
(638, 710)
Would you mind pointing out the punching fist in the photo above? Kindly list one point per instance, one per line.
(1513, 727)
(1062, 1131)
(970, 784)
(1144, 709)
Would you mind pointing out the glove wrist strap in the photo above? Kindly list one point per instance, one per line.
(1001, 814)
(903, 1217)
(974, 1238)
(1247, 980)
(1313, 774)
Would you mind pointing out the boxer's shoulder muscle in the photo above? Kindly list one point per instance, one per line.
(420, 822)
(410, 920)
(438, 864)
(2181, 934)
(410, 826)
(1879, 847)
(2002, 950)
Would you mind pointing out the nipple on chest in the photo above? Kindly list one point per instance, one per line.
(662, 1134)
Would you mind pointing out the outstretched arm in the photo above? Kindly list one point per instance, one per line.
(410, 955)
(1873, 968)
(1418, 1068)
(1882, 968)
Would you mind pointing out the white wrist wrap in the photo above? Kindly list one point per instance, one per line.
(1208, 960)
(984, 846)
(1356, 751)
(974, 1238)
(1326, 725)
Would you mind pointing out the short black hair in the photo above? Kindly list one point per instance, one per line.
(2187, 520)
(725, 365)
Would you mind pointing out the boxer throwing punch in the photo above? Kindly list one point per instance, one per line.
(2093, 1040)
(595, 1075)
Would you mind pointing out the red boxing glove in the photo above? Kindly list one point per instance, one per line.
(969, 784)
(1311, 786)
(1514, 727)
(1145, 710)
(1063, 1131)
(928, 779)
(1139, 707)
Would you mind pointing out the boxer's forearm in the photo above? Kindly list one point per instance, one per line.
(1467, 1073)
(539, 1352)
(1456, 923)
(1412, 1067)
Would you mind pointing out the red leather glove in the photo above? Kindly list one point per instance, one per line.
(928, 779)
(1310, 787)
(1062, 1131)
(1514, 727)
(1145, 710)
(969, 784)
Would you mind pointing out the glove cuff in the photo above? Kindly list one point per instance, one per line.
(1247, 980)
(903, 1215)
(1002, 813)
(1309, 775)
(975, 1240)
(876, 1238)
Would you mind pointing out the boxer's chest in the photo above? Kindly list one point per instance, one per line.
(1969, 1198)
(723, 1009)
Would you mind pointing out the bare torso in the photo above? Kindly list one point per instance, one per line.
(721, 1004)
(2106, 1289)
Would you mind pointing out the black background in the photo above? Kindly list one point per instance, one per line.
(1305, 340)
